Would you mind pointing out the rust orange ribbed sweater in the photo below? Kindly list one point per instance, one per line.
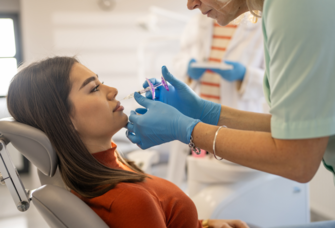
(154, 203)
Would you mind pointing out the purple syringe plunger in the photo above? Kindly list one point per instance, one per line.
(151, 88)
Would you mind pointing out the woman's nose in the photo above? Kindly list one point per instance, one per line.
(193, 4)
(112, 92)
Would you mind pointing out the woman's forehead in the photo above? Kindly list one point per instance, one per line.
(79, 73)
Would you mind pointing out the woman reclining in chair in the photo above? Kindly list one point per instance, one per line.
(79, 114)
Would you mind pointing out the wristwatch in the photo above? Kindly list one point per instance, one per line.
(205, 223)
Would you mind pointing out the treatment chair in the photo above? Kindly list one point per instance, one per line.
(58, 206)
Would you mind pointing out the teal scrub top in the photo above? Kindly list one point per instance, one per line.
(299, 82)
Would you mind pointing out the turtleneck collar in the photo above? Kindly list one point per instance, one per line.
(109, 158)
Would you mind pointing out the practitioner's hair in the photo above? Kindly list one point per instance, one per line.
(255, 7)
(38, 96)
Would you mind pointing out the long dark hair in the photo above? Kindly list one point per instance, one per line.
(38, 96)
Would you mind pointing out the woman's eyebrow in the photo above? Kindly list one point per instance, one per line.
(88, 80)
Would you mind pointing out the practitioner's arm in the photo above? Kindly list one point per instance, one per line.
(294, 159)
(243, 120)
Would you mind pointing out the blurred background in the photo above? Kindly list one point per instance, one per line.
(124, 42)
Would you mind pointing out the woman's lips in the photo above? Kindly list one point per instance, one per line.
(118, 107)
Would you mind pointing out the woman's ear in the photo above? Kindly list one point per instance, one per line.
(72, 119)
(73, 123)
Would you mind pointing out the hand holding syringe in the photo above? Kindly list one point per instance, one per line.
(150, 88)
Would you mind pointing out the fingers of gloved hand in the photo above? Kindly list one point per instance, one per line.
(238, 71)
(195, 72)
(130, 127)
(237, 67)
(169, 77)
(142, 100)
(141, 111)
(190, 63)
(148, 95)
(133, 138)
(132, 118)
(154, 81)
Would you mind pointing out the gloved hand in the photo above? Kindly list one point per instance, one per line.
(195, 72)
(235, 74)
(161, 123)
(185, 99)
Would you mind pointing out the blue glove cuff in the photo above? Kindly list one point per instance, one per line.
(210, 113)
(189, 130)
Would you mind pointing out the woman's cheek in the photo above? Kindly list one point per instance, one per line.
(93, 106)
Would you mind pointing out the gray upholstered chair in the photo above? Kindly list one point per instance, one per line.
(58, 206)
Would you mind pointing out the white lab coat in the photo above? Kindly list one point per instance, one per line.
(245, 47)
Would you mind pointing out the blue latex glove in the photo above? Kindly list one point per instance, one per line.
(235, 74)
(194, 72)
(185, 99)
(161, 123)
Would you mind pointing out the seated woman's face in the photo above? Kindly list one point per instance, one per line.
(95, 112)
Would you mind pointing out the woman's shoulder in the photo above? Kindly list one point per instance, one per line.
(128, 204)
(135, 205)
(150, 191)
(127, 190)
(135, 188)
(132, 193)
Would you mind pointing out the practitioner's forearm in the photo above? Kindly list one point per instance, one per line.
(244, 120)
(294, 159)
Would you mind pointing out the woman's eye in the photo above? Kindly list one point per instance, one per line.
(95, 89)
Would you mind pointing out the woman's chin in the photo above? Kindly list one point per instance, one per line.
(124, 119)
(125, 123)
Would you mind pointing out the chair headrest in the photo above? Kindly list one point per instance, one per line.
(32, 143)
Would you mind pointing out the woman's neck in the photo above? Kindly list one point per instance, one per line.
(97, 145)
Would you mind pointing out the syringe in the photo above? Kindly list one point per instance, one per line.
(150, 88)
